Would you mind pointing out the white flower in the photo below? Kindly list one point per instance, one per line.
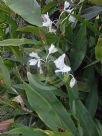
(59, 63)
(67, 7)
(48, 23)
(52, 49)
(34, 55)
(72, 19)
(72, 82)
(51, 30)
(33, 62)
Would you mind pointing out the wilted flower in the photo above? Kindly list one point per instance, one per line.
(62, 67)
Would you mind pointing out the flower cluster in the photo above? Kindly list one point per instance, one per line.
(59, 63)
(47, 22)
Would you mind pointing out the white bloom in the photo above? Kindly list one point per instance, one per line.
(72, 19)
(34, 55)
(67, 7)
(52, 49)
(72, 82)
(59, 63)
(47, 21)
(32, 62)
(35, 61)
(51, 30)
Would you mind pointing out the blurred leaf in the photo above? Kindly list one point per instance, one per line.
(4, 125)
(26, 131)
(28, 9)
(78, 50)
(85, 119)
(91, 12)
(17, 42)
(97, 2)
(92, 98)
(5, 73)
(98, 49)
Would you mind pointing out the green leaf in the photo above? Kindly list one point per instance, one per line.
(5, 73)
(85, 119)
(97, 2)
(92, 98)
(25, 131)
(17, 42)
(91, 12)
(78, 50)
(64, 116)
(43, 108)
(28, 9)
(98, 49)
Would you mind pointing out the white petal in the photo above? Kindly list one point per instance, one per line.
(51, 30)
(72, 19)
(47, 21)
(66, 68)
(72, 82)
(66, 5)
(59, 63)
(39, 63)
(52, 49)
(34, 55)
(33, 62)
(69, 10)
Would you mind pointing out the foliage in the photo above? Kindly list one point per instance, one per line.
(40, 100)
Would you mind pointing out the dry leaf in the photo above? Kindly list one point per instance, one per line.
(4, 125)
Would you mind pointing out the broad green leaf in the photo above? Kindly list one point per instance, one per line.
(28, 9)
(79, 47)
(59, 133)
(85, 119)
(25, 131)
(29, 28)
(5, 73)
(96, 2)
(91, 12)
(98, 49)
(92, 98)
(17, 42)
(64, 116)
(42, 107)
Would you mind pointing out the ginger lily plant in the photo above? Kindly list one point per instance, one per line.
(59, 63)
